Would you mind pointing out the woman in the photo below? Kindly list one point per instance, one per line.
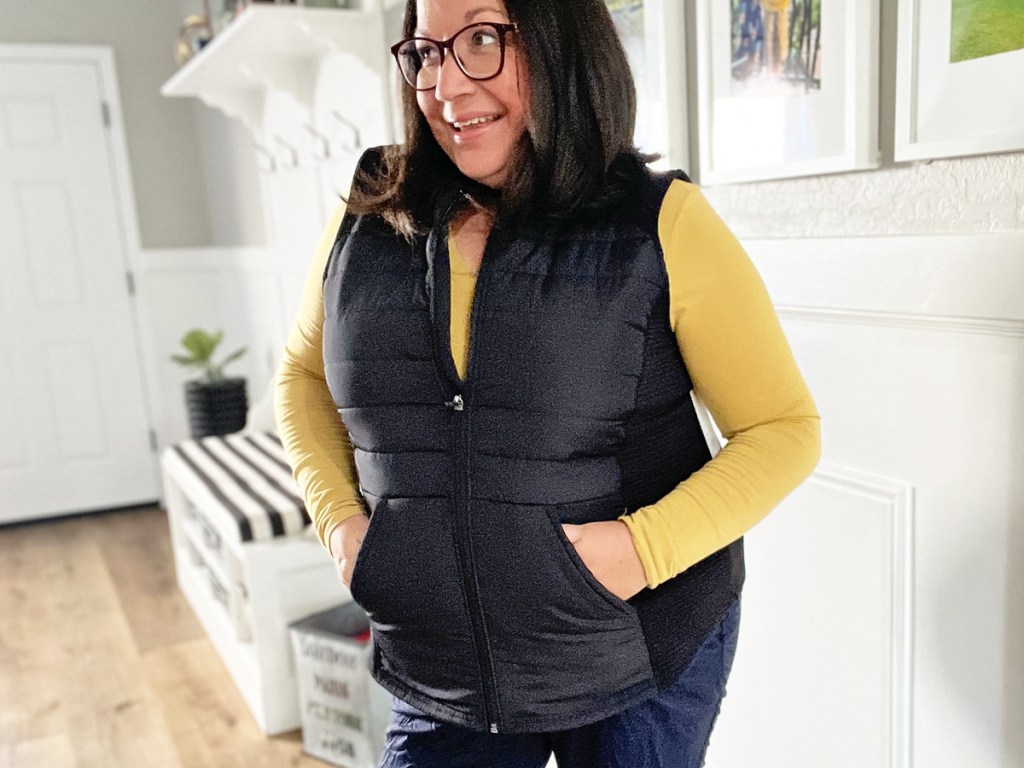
(520, 326)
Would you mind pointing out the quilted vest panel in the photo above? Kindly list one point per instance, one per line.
(576, 407)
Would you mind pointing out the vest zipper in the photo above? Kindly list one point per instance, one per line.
(464, 548)
(463, 523)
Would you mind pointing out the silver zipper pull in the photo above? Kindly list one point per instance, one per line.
(494, 727)
(455, 403)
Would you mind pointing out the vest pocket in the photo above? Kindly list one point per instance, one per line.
(406, 577)
(406, 567)
(523, 555)
(581, 567)
(563, 646)
(363, 555)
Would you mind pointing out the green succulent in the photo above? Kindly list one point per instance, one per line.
(200, 346)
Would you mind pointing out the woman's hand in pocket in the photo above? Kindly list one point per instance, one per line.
(606, 548)
(345, 541)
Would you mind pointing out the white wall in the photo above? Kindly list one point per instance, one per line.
(228, 183)
(956, 195)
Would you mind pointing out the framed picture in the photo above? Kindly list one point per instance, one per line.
(786, 88)
(960, 78)
(652, 33)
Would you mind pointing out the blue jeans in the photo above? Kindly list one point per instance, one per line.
(669, 730)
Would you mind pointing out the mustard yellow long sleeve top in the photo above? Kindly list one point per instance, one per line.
(731, 341)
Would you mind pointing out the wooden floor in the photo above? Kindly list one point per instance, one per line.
(102, 662)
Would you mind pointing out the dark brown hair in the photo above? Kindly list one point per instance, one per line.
(577, 159)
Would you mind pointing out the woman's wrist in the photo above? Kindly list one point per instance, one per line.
(337, 531)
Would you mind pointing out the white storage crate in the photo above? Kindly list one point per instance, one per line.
(344, 710)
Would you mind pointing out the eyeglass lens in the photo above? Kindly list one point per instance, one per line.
(478, 51)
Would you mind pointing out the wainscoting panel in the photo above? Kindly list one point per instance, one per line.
(824, 630)
(884, 610)
(233, 290)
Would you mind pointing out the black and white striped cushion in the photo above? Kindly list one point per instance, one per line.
(250, 482)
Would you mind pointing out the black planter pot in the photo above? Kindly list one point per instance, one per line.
(216, 409)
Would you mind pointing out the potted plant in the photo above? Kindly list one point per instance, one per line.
(217, 404)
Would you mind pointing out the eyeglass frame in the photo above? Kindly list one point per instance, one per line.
(448, 45)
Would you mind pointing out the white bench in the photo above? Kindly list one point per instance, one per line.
(248, 561)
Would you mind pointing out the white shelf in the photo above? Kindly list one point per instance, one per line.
(276, 48)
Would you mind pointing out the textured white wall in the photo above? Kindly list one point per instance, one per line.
(966, 194)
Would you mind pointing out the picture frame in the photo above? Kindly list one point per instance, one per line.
(786, 88)
(953, 99)
(652, 33)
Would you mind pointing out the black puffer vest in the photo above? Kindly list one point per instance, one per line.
(576, 407)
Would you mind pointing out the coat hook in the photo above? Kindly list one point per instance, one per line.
(271, 161)
(293, 155)
(357, 141)
(324, 150)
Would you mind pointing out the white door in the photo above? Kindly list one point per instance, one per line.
(74, 432)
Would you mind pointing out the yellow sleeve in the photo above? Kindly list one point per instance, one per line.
(744, 372)
(315, 440)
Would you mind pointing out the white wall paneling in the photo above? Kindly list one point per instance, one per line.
(840, 548)
(234, 290)
(884, 613)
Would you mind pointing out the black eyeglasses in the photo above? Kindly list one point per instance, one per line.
(479, 50)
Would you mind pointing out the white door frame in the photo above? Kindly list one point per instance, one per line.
(102, 58)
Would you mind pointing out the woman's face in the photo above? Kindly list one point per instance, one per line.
(483, 151)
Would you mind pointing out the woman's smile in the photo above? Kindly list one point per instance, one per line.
(468, 130)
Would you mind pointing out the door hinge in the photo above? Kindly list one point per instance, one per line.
(105, 109)
(152, 440)
(130, 279)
